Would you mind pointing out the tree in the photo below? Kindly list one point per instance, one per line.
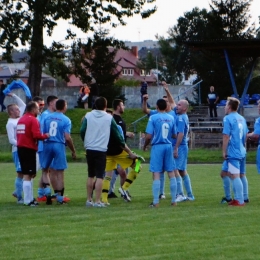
(23, 22)
(95, 58)
(227, 19)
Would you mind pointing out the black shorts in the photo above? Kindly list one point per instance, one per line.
(96, 161)
(27, 158)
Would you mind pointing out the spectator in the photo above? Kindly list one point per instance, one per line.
(212, 101)
(2, 95)
(83, 95)
(94, 92)
(143, 91)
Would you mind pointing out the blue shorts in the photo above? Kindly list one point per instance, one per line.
(235, 165)
(258, 159)
(242, 166)
(181, 161)
(16, 162)
(162, 158)
(54, 156)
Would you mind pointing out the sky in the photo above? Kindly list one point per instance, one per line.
(138, 29)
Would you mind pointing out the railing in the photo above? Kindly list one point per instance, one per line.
(190, 88)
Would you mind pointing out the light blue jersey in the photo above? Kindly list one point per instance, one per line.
(257, 132)
(257, 128)
(41, 119)
(173, 114)
(234, 125)
(161, 126)
(57, 124)
(182, 125)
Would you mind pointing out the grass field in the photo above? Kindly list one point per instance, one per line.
(202, 229)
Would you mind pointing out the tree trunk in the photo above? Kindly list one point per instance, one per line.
(36, 56)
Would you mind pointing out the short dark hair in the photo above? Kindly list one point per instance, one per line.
(31, 106)
(37, 99)
(60, 104)
(51, 98)
(101, 103)
(116, 103)
(161, 104)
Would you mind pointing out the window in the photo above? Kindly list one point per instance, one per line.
(142, 73)
(145, 73)
(129, 72)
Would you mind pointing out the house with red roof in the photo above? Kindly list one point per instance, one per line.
(127, 61)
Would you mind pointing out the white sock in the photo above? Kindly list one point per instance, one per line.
(27, 190)
(31, 189)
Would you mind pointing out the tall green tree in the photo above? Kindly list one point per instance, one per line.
(226, 19)
(95, 58)
(23, 22)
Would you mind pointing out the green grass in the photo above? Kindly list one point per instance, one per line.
(202, 229)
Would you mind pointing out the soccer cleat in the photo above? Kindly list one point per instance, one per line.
(42, 199)
(180, 198)
(173, 204)
(246, 201)
(35, 202)
(124, 194)
(162, 196)
(89, 204)
(225, 200)
(49, 200)
(66, 199)
(190, 198)
(31, 204)
(127, 191)
(235, 203)
(106, 203)
(151, 205)
(14, 195)
(112, 195)
(99, 205)
(20, 201)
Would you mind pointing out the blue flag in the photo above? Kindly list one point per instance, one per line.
(18, 84)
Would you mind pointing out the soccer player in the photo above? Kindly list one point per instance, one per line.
(181, 145)
(233, 149)
(44, 190)
(159, 130)
(171, 109)
(98, 127)
(119, 107)
(15, 111)
(58, 126)
(119, 155)
(28, 132)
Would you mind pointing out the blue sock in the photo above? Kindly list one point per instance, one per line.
(245, 186)
(187, 185)
(226, 186)
(162, 182)
(113, 182)
(173, 188)
(40, 192)
(59, 198)
(156, 190)
(47, 191)
(238, 190)
(19, 188)
(179, 186)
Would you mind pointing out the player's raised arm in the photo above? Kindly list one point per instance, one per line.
(145, 109)
(169, 95)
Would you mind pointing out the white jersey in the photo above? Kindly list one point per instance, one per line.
(12, 124)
